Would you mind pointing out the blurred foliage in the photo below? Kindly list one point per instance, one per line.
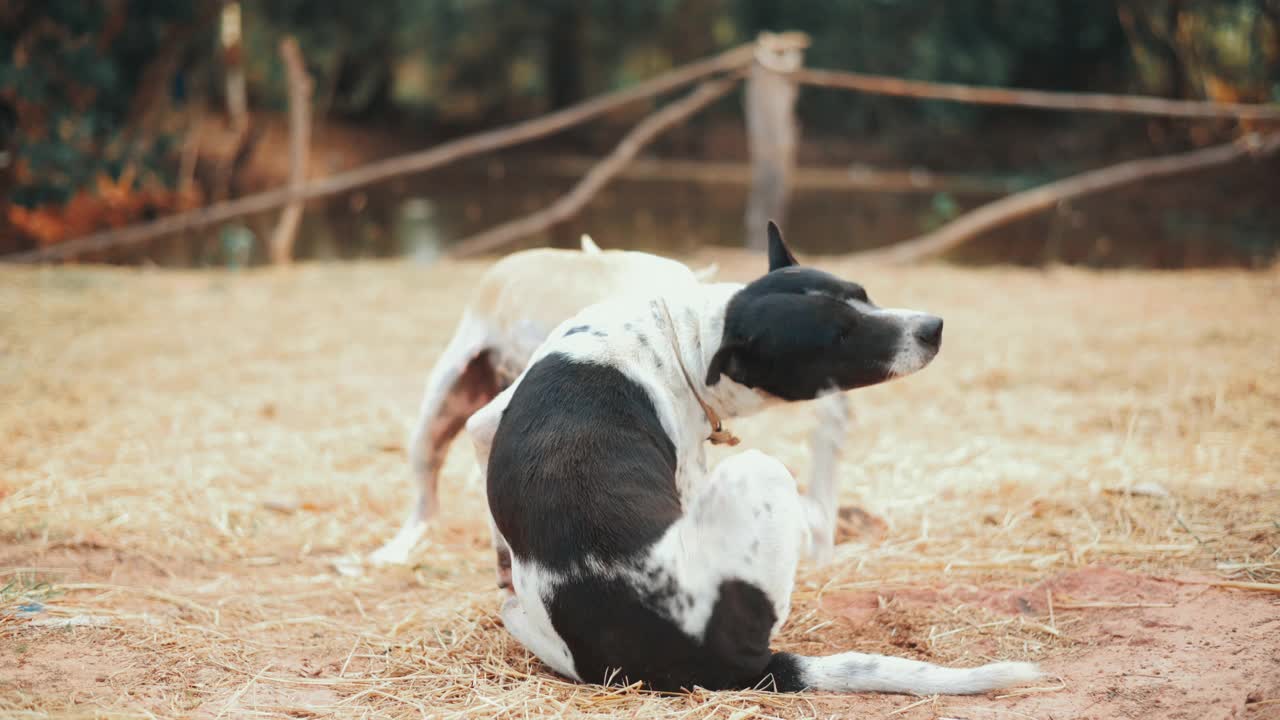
(479, 61)
(84, 75)
(75, 72)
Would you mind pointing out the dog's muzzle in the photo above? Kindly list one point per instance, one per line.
(921, 340)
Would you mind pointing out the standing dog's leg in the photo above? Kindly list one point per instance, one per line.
(461, 382)
(481, 427)
(832, 413)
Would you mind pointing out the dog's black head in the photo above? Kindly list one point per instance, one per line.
(798, 332)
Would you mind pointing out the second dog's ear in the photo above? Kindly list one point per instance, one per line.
(779, 254)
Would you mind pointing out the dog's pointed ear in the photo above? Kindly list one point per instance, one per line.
(725, 361)
(779, 254)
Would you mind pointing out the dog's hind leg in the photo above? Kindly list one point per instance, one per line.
(461, 382)
(747, 524)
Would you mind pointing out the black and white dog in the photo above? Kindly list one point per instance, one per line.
(632, 562)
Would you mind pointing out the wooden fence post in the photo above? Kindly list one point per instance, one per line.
(231, 32)
(772, 131)
(281, 247)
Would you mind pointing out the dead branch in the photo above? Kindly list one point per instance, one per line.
(1006, 210)
(299, 143)
(1043, 99)
(570, 203)
(734, 59)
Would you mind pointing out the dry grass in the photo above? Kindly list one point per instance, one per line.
(185, 454)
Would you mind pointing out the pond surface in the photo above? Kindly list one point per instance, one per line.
(1206, 221)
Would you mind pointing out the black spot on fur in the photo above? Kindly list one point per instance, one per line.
(577, 329)
(599, 333)
(654, 357)
(659, 316)
(691, 318)
(664, 591)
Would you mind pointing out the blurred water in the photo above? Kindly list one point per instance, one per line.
(421, 217)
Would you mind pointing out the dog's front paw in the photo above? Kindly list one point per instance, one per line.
(399, 549)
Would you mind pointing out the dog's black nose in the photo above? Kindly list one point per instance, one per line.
(929, 332)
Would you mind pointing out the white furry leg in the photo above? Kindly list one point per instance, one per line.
(746, 523)
(821, 500)
(459, 383)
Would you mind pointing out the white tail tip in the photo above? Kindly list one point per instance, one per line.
(589, 245)
(1003, 674)
(856, 672)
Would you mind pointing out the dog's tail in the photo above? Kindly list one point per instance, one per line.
(856, 672)
(589, 246)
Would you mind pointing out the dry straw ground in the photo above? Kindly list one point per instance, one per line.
(185, 454)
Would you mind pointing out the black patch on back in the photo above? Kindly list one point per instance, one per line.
(614, 634)
(580, 464)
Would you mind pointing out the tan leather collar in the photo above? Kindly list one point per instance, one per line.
(719, 434)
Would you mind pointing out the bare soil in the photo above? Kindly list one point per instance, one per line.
(1078, 479)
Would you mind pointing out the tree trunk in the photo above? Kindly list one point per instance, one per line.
(300, 86)
(8, 162)
(772, 131)
(236, 88)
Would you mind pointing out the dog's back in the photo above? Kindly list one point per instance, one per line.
(524, 296)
